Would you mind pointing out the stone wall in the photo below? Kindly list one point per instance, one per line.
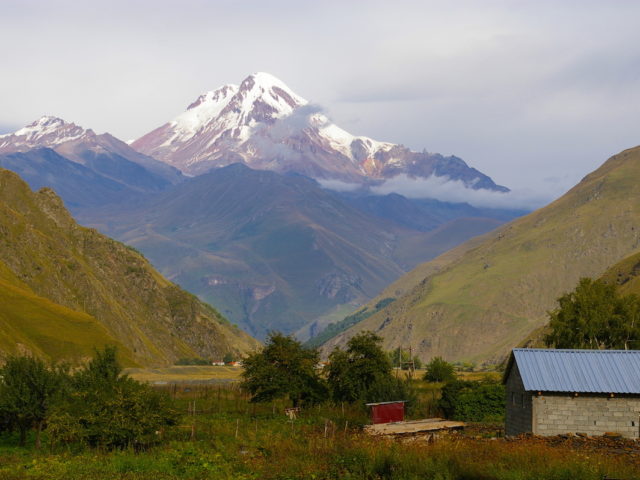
(589, 413)
(519, 409)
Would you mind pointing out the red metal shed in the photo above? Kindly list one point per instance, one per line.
(387, 412)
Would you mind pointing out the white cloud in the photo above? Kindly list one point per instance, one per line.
(338, 185)
(447, 190)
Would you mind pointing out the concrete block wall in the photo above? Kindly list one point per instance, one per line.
(518, 413)
(555, 414)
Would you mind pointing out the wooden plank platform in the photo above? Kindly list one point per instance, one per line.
(414, 427)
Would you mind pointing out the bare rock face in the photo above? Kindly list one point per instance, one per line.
(265, 125)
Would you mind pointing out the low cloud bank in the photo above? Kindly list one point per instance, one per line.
(447, 190)
(338, 185)
(454, 191)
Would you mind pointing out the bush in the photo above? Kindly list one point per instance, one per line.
(439, 370)
(473, 401)
(108, 409)
(193, 361)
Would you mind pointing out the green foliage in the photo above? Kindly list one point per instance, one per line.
(439, 370)
(193, 361)
(594, 316)
(108, 409)
(284, 368)
(28, 388)
(334, 329)
(228, 357)
(363, 372)
(473, 401)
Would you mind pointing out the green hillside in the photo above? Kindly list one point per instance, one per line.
(625, 274)
(29, 323)
(66, 289)
(482, 298)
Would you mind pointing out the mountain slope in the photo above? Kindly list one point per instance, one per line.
(484, 297)
(30, 323)
(265, 125)
(272, 251)
(54, 265)
(78, 185)
(625, 274)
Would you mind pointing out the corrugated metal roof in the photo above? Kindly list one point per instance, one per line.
(588, 371)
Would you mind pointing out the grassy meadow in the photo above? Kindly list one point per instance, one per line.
(221, 435)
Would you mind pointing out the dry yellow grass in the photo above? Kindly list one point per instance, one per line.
(184, 374)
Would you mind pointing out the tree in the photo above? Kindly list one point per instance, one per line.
(109, 409)
(228, 357)
(594, 316)
(363, 372)
(27, 390)
(284, 368)
(439, 370)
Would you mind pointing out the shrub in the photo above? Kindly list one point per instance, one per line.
(108, 409)
(439, 370)
(473, 401)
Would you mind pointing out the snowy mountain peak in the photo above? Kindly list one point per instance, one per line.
(261, 85)
(214, 96)
(266, 125)
(47, 131)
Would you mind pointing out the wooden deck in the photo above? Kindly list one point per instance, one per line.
(414, 427)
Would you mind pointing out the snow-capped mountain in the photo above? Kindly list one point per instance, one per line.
(104, 152)
(265, 125)
(47, 131)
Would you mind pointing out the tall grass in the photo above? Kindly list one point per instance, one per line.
(223, 436)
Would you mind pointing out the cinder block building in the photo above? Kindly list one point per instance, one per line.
(552, 392)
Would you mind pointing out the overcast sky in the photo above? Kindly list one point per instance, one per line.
(534, 94)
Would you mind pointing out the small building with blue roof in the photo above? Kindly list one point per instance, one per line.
(559, 391)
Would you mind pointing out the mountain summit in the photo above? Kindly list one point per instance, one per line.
(47, 131)
(265, 125)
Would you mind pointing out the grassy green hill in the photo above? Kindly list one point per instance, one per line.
(66, 289)
(482, 298)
